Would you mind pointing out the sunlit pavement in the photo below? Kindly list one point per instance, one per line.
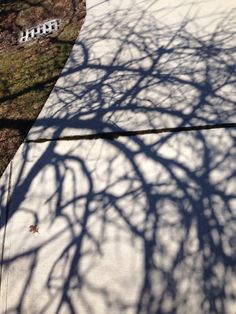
(129, 171)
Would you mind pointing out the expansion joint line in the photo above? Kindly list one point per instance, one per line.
(115, 135)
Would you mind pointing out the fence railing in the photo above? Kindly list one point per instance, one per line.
(43, 29)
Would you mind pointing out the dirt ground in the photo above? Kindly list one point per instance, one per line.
(29, 71)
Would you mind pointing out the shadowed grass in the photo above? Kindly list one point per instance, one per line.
(28, 74)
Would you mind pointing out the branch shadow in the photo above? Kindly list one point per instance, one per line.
(139, 224)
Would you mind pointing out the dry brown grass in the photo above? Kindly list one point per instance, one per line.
(28, 73)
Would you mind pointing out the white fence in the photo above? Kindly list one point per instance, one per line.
(40, 30)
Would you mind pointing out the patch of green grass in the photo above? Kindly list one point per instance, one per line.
(27, 76)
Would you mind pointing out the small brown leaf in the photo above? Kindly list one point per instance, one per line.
(34, 228)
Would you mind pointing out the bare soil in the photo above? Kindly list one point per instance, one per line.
(29, 71)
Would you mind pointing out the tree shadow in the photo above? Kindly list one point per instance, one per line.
(142, 223)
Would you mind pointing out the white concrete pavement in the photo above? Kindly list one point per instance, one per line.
(137, 224)
(142, 224)
(141, 65)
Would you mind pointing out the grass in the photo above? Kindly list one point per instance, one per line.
(27, 76)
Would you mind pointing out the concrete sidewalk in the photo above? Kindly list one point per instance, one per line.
(129, 171)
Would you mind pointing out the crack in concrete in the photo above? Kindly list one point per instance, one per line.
(115, 135)
(6, 222)
(108, 136)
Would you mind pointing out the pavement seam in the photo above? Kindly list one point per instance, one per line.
(115, 135)
(6, 222)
